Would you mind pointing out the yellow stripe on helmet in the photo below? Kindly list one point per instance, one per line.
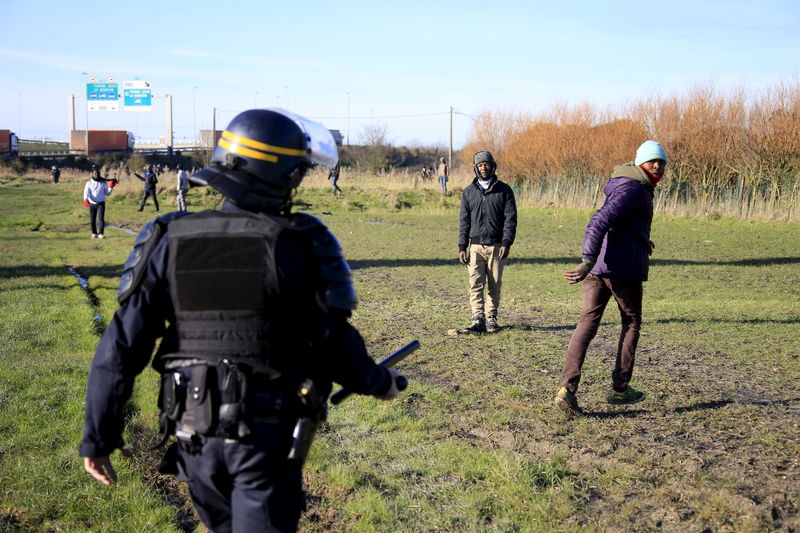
(239, 149)
(238, 139)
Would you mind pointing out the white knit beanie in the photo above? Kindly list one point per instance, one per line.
(648, 151)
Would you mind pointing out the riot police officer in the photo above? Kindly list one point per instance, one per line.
(252, 305)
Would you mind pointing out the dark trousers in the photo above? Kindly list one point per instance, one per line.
(97, 217)
(245, 486)
(334, 187)
(145, 194)
(597, 291)
(180, 198)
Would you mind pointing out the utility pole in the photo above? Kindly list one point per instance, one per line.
(194, 117)
(86, 138)
(213, 133)
(450, 156)
(348, 119)
(169, 123)
(71, 111)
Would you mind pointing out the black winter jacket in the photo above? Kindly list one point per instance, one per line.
(487, 217)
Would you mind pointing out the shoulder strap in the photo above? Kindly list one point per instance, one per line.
(339, 292)
(136, 264)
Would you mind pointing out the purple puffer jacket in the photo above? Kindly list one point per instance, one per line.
(618, 235)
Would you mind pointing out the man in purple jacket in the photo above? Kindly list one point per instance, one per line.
(616, 250)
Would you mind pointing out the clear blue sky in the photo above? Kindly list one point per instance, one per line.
(371, 60)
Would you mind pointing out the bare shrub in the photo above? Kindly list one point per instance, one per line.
(728, 148)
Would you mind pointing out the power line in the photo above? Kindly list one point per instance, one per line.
(383, 116)
(468, 115)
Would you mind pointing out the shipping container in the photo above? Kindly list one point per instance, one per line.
(101, 140)
(205, 138)
(8, 142)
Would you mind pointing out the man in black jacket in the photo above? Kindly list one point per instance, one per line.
(488, 224)
(150, 180)
(251, 303)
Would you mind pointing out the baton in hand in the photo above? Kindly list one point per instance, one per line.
(340, 395)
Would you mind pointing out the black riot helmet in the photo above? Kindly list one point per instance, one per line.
(263, 155)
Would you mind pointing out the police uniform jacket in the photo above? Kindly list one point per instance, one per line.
(315, 339)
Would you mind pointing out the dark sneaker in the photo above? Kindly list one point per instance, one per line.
(568, 403)
(478, 325)
(491, 325)
(630, 395)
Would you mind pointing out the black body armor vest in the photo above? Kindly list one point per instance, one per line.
(223, 281)
(223, 285)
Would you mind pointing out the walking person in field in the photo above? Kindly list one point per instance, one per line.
(95, 193)
(616, 250)
(444, 175)
(150, 181)
(182, 180)
(488, 225)
(334, 177)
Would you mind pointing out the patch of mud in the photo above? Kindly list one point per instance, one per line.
(714, 446)
(14, 519)
(173, 492)
(321, 515)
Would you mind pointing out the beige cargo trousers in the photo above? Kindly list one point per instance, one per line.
(485, 271)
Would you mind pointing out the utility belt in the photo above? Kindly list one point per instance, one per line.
(223, 399)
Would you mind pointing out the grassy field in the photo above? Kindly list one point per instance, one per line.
(474, 444)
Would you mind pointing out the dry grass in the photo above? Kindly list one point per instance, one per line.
(731, 154)
(755, 193)
(673, 198)
(397, 179)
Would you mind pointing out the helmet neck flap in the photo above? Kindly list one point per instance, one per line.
(245, 190)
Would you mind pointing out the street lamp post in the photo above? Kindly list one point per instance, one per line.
(348, 119)
(194, 116)
(19, 114)
(86, 132)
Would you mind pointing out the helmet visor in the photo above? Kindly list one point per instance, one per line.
(321, 146)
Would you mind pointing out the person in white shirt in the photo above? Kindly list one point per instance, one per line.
(95, 193)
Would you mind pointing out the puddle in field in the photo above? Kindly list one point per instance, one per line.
(97, 319)
(126, 230)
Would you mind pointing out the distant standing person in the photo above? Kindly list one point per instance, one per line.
(150, 181)
(488, 225)
(95, 193)
(616, 250)
(444, 175)
(334, 177)
(55, 173)
(182, 186)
